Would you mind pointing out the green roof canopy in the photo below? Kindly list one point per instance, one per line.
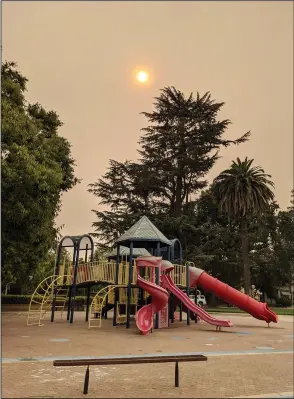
(143, 231)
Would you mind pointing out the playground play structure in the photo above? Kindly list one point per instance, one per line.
(140, 279)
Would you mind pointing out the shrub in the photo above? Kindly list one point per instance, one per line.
(283, 302)
(15, 299)
(80, 300)
(25, 300)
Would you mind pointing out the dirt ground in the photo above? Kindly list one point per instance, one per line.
(247, 359)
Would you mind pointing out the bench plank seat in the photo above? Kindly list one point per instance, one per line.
(137, 359)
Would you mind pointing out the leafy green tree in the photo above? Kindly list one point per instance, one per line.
(44, 269)
(244, 192)
(284, 245)
(37, 167)
(272, 259)
(216, 241)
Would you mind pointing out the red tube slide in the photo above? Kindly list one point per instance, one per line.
(145, 315)
(232, 296)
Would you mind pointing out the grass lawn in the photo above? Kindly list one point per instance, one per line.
(278, 311)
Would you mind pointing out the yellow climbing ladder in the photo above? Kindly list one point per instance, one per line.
(98, 303)
(60, 300)
(42, 298)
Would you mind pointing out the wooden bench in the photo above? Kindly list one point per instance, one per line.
(139, 359)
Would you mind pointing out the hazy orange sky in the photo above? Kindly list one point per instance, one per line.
(79, 58)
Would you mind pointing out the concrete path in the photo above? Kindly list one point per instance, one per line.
(270, 395)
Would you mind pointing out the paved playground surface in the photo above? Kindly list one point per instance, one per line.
(249, 359)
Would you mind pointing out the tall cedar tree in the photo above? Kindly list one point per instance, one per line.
(178, 150)
(181, 144)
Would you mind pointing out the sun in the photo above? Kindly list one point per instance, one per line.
(142, 77)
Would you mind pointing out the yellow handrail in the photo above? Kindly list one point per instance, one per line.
(43, 296)
(106, 272)
(98, 303)
(179, 275)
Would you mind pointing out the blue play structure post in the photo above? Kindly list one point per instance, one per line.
(116, 292)
(157, 281)
(70, 291)
(74, 285)
(188, 290)
(130, 285)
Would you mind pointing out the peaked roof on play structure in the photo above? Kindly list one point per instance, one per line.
(143, 231)
(125, 251)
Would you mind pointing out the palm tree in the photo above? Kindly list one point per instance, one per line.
(244, 192)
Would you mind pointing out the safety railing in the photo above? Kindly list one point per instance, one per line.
(179, 275)
(123, 296)
(106, 272)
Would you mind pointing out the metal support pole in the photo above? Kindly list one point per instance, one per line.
(88, 303)
(188, 290)
(106, 308)
(196, 302)
(181, 311)
(54, 288)
(172, 306)
(70, 291)
(141, 291)
(74, 255)
(86, 254)
(53, 304)
(116, 291)
(157, 280)
(74, 286)
(177, 376)
(129, 296)
(68, 305)
(86, 383)
(157, 283)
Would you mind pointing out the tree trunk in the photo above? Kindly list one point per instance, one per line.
(213, 300)
(178, 201)
(245, 257)
(147, 206)
(180, 171)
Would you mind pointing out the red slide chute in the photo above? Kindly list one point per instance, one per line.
(232, 296)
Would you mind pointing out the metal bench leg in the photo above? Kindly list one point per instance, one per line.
(86, 383)
(177, 376)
